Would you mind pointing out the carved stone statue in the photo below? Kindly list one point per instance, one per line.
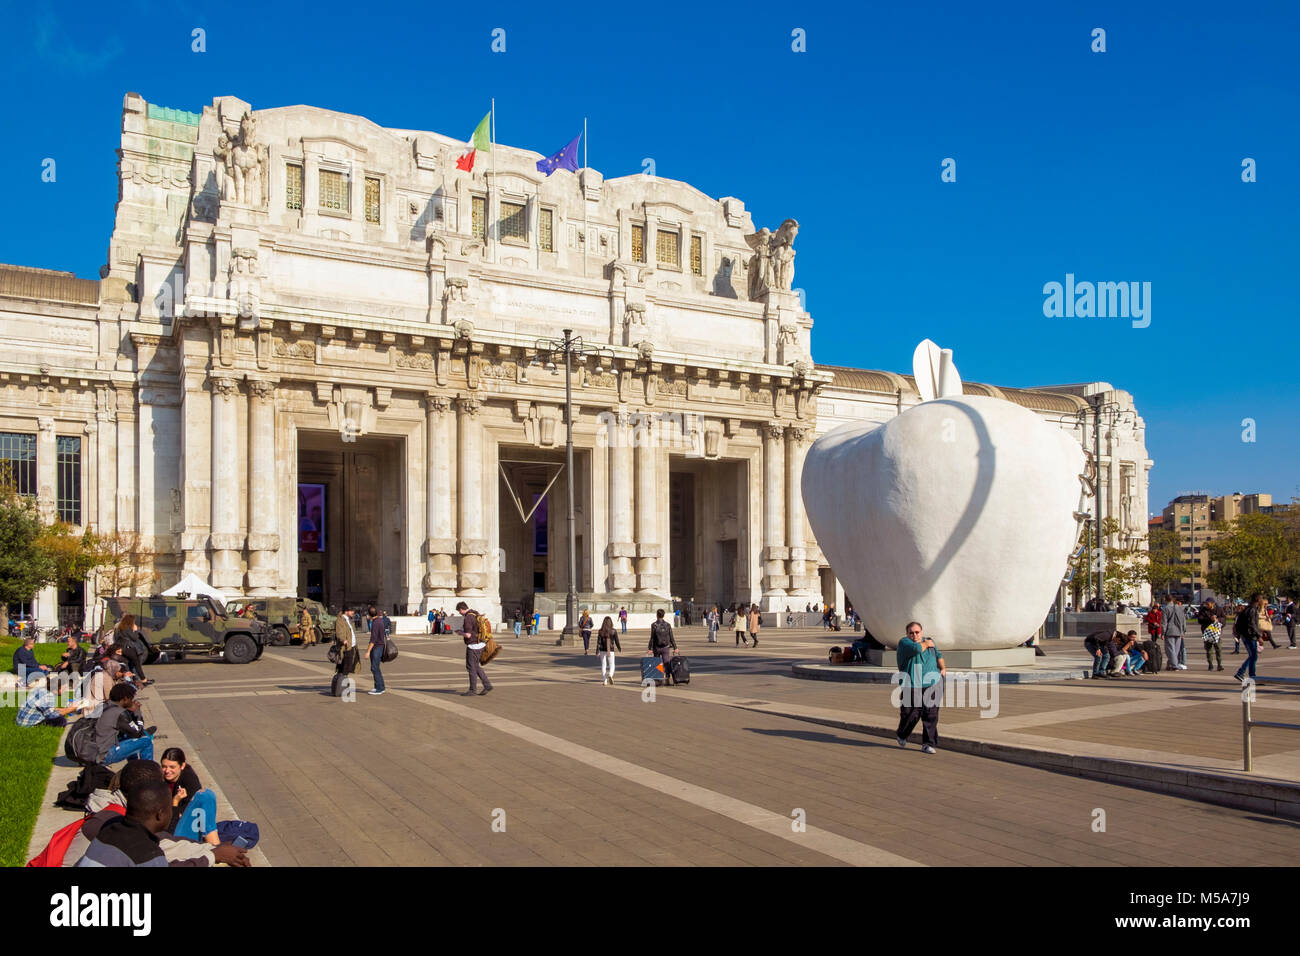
(224, 154)
(772, 265)
(760, 264)
(245, 162)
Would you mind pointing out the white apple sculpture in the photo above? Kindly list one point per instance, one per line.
(959, 513)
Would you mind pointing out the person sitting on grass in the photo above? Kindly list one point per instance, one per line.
(25, 661)
(73, 659)
(40, 707)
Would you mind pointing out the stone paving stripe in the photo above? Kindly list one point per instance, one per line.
(775, 824)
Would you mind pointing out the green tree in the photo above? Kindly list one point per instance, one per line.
(1164, 565)
(1254, 554)
(25, 565)
(1231, 577)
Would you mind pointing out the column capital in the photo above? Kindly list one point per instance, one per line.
(772, 430)
(223, 385)
(436, 402)
(468, 405)
(797, 433)
(262, 388)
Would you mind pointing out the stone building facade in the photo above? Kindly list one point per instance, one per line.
(319, 361)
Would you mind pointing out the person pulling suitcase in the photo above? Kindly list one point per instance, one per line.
(661, 641)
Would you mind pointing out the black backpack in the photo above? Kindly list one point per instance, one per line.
(660, 634)
(77, 745)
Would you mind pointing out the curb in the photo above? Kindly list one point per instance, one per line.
(1275, 797)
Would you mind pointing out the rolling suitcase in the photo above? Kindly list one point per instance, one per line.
(680, 670)
(652, 668)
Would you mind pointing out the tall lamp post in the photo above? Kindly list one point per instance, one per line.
(567, 349)
(1098, 555)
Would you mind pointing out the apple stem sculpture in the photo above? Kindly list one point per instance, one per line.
(960, 513)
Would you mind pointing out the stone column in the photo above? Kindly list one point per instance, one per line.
(226, 541)
(263, 526)
(795, 450)
(648, 549)
(622, 546)
(775, 552)
(469, 495)
(440, 538)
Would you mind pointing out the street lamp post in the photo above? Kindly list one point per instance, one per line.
(568, 348)
(1098, 556)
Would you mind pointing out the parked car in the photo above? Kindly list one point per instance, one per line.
(185, 628)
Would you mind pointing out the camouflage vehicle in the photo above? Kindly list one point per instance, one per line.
(190, 628)
(283, 615)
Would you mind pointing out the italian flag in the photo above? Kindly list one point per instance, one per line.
(481, 139)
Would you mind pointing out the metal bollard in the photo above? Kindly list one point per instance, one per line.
(1245, 733)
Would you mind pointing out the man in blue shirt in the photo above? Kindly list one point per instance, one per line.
(40, 707)
(25, 662)
(922, 668)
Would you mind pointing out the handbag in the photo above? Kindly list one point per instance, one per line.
(490, 650)
(389, 653)
(334, 652)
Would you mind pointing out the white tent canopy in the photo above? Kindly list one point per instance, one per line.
(192, 584)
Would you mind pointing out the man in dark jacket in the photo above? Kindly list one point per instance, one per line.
(1173, 621)
(119, 733)
(132, 839)
(1288, 618)
(375, 649)
(661, 641)
(473, 652)
(1098, 645)
(73, 659)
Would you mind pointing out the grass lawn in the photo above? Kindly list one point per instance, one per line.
(26, 754)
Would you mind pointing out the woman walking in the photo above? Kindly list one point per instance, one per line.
(739, 624)
(754, 623)
(606, 643)
(584, 625)
(713, 621)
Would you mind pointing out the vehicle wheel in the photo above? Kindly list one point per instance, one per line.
(282, 637)
(240, 649)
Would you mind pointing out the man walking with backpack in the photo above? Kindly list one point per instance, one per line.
(375, 651)
(474, 644)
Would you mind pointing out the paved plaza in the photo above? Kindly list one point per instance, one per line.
(554, 768)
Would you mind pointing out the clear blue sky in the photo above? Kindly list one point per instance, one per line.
(1115, 166)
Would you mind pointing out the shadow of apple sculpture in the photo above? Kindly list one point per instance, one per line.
(959, 513)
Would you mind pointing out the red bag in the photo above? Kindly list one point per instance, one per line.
(57, 848)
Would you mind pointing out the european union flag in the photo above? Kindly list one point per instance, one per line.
(564, 159)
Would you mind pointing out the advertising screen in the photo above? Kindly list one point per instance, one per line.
(311, 517)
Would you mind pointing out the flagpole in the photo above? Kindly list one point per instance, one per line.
(582, 186)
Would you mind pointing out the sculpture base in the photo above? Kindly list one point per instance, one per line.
(998, 657)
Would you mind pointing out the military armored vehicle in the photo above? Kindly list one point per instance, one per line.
(284, 616)
(190, 628)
